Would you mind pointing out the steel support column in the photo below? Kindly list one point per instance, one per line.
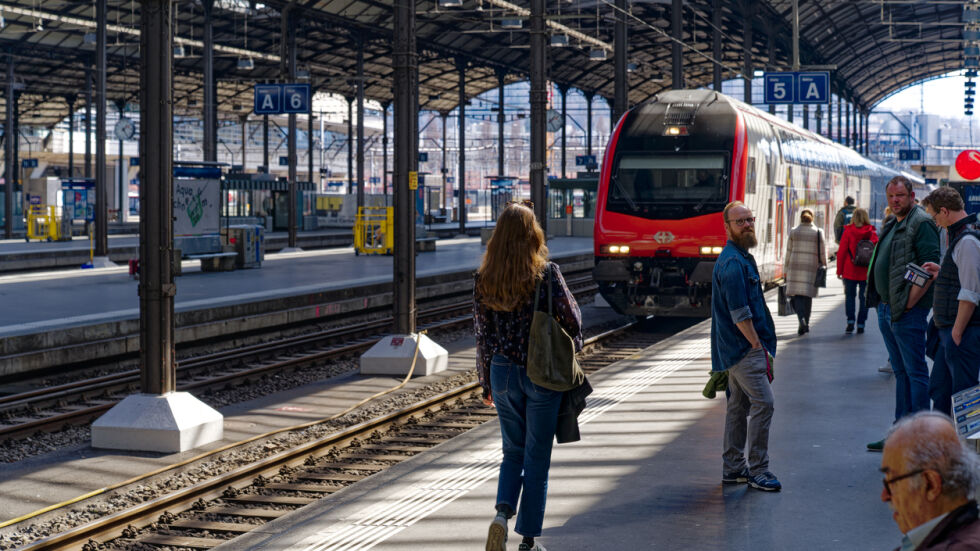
(840, 120)
(244, 120)
(867, 134)
(748, 13)
(676, 54)
(790, 112)
(156, 286)
(589, 96)
(101, 182)
(384, 148)
(287, 69)
(444, 115)
(70, 100)
(771, 55)
(405, 80)
(210, 92)
(539, 105)
(461, 156)
(563, 89)
(847, 124)
(806, 116)
(88, 123)
(360, 122)
(309, 146)
(819, 116)
(10, 143)
(830, 118)
(265, 143)
(620, 74)
(716, 67)
(500, 123)
(350, 145)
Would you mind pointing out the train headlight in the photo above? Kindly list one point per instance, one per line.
(675, 131)
(711, 250)
(615, 249)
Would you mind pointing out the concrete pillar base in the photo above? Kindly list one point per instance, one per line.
(291, 250)
(173, 422)
(393, 355)
(103, 262)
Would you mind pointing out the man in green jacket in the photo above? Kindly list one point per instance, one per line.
(911, 236)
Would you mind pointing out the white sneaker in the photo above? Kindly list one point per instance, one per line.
(887, 368)
(497, 536)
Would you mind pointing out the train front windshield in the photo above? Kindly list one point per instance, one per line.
(668, 186)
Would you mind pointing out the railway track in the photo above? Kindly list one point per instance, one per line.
(52, 408)
(244, 498)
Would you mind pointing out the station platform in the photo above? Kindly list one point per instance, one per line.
(647, 472)
(16, 255)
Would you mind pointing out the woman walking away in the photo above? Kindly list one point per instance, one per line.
(857, 244)
(505, 295)
(805, 252)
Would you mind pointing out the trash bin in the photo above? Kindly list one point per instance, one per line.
(248, 243)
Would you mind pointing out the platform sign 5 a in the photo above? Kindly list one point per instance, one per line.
(268, 99)
(909, 155)
(798, 87)
(295, 98)
(780, 87)
(584, 160)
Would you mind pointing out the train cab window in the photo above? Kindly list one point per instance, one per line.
(750, 176)
(668, 186)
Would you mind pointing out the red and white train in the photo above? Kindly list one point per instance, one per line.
(671, 166)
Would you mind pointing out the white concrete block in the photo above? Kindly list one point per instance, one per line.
(393, 355)
(173, 422)
(102, 262)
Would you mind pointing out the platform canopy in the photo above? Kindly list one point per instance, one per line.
(878, 46)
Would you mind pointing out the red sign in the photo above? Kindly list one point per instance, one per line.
(397, 341)
(968, 164)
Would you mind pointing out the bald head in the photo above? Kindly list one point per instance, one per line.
(927, 469)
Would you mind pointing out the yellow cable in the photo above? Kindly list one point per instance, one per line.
(408, 377)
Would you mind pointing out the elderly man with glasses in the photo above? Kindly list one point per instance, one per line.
(743, 343)
(929, 480)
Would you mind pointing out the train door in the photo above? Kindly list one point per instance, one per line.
(778, 220)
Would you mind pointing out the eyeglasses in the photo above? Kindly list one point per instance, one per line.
(743, 221)
(887, 482)
(523, 202)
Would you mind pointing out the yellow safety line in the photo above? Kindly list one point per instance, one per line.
(418, 342)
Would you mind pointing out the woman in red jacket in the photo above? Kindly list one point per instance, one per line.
(853, 258)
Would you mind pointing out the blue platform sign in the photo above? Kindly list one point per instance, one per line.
(813, 87)
(283, 161)
(423, 156)
(268, 99)
(295, 98)
(780, 87)
(909, 154)
(28, 163)
(584, 160)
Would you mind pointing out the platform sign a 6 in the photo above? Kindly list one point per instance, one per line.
(780, 88)
(296, 98)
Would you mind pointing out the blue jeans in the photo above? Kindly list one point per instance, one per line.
(528, 417)
(963, 361)
(905, 341)
(851, 288)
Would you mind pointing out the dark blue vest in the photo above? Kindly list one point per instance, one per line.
(945, 303)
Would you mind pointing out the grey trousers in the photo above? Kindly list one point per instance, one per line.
(751, 396)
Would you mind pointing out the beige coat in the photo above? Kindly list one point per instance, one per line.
(803, 256)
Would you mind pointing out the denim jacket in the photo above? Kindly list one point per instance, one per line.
(736, 295)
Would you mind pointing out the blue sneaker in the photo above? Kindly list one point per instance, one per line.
(740, 477)
(497, 536)
(766, 482)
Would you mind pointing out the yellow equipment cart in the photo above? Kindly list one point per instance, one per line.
(373, 230)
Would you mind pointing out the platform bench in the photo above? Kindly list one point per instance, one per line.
(423, 244)
(215, 262)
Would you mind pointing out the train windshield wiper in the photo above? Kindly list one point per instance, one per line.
(629, 200)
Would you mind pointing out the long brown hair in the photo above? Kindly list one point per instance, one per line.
(515, 260)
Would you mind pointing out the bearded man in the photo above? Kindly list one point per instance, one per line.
(743, 344)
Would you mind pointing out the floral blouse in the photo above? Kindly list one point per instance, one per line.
(506, 333)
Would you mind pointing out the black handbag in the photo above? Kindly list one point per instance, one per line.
(785, 306)
(551, 359)
(821, 279)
